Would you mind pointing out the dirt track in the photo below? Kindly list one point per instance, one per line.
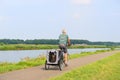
(39, 73)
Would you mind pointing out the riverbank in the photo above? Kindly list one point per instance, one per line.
(106, 69)
(40, 60)
(39, 72)
(41, 46)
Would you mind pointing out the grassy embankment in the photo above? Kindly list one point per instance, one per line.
(41, 46)
(106, 69)
(26, 47)
(6, 67)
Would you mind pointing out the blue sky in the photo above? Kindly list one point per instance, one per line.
(94, 20)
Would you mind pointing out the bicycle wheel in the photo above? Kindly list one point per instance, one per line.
(61, 65)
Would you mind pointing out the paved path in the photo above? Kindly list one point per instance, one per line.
(39, 73)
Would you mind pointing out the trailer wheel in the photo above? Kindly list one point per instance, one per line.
(46, 66)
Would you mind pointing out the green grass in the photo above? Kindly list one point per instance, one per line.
(106, 69)
(72, 56)
(6, 67)
(42, 46)
(26, 47)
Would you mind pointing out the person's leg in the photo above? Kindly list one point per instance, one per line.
(66, 56)
(65, 53)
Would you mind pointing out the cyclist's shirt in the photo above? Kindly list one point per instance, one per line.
(63, 39)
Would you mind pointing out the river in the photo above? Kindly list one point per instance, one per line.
(17, 55)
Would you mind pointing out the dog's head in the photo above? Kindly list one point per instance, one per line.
(52, 56)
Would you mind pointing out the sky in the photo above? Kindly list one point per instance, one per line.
(93, 20)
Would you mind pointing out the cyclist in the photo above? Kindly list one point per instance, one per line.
(64, 41)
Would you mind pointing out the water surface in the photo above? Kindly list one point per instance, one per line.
(17, 55)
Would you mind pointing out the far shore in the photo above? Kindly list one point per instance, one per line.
(46, 46)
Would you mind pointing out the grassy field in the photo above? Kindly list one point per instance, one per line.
(6, 67)
(106, 69)
(41, 46)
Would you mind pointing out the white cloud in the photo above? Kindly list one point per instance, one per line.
(76, 16)
(5, 18)
(81, 2)
(2, 18)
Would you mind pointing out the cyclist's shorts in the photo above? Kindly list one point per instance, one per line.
(63, 47)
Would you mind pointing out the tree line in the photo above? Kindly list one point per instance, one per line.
(55, 41)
